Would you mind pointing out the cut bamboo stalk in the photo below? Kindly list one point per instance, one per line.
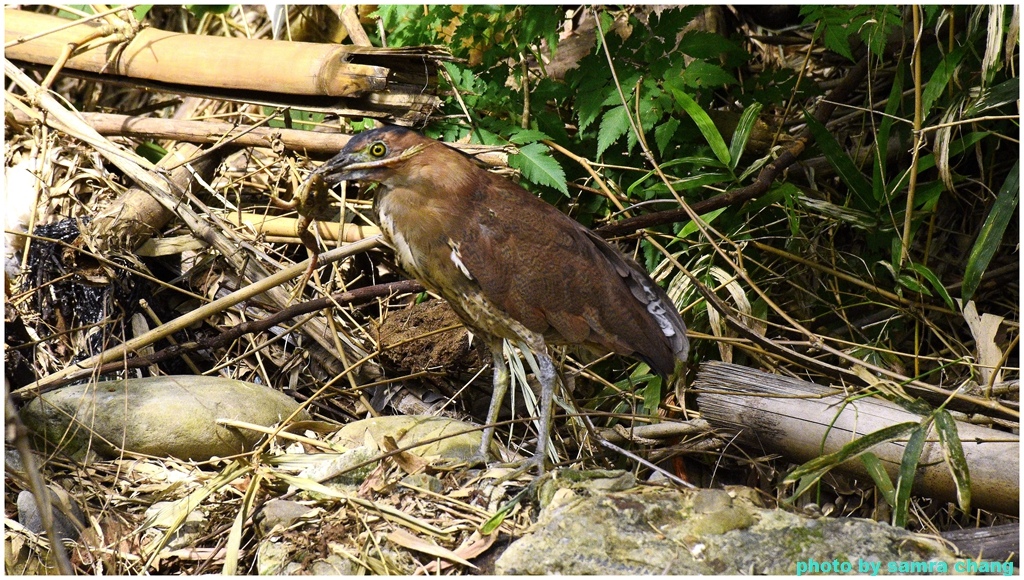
(281, 226)
(216, 132)
(209, 61)
(396, 85)
(802, 421)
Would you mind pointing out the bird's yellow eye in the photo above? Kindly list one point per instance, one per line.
(378, 149)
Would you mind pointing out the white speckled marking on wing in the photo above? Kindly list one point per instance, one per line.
(657, 310)
(457, 258)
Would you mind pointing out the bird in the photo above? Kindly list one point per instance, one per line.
(510, 265)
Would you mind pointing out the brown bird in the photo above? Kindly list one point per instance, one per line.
(511, 266)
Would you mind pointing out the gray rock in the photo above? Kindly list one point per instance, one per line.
(160, 416)
(67, 522)
(424, 481)
(280, 513)
(333, 565)
(460, 441)
(666, 531)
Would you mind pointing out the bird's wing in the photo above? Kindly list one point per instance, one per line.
(557, 278)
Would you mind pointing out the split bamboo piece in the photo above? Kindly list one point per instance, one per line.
(802, 421)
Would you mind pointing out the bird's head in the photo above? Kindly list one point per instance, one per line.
(379, 155)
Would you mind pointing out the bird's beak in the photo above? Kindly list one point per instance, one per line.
(344, 166)
(353, 166)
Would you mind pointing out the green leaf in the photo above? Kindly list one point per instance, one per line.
(912, 284)
(928, 161)
(691, 228)
(1004, 93)
(537, 165)
(652, 393)
(880, 476)
(701, 75)
(590, 99)
(614, 124)
(818, 466)
(991, 235)
(932, 279)
(940, 78)
(200, 10)
(151, 151)
(524, 136)
(841, 162)
(704, 123)
(664, 132)
(953, 450)
(878, 175)
(908, 469)
(743, 129)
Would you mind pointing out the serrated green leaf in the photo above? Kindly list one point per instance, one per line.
(524, 136)
(537, 165)
(991, 235)
(704, 123)
(701, 75)
(614, 124)
(664, 132)
(589, 102)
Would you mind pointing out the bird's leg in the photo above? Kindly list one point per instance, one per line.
(501, 382)
(547, 375)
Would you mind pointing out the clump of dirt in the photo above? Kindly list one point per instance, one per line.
(405, 347)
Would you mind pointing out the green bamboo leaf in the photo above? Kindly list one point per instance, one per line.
(819, 466)
(233, 547)
(1004, 93)
(859, 185)
(940, 78)
(908, 469)
(953, 450)
(932, 279)
(880, 476)
(991, 235)
(652, 394)
(743, 129)
(878, 175)
(691, 228)
(537, 165)
(928, 161)
(704, 123)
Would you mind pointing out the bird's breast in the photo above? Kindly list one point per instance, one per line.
(419, 232)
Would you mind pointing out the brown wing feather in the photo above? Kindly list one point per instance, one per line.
(557, 278)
